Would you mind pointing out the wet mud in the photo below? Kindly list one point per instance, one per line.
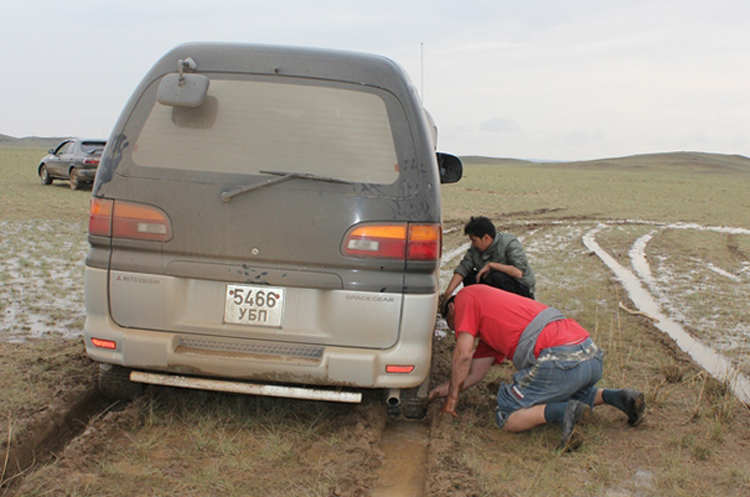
(49, 431)
(404, 445)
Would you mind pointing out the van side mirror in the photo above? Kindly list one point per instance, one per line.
(450, 167)
(182, 90)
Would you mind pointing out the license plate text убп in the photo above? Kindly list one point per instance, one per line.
(254, 305)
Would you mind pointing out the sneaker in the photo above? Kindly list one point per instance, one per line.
(635, 405)
(572, 436)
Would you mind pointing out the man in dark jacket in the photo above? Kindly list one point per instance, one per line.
(495, 259)
(558, 363)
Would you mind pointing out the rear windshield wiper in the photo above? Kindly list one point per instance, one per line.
(283, 176)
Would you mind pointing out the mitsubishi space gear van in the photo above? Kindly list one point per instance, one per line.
(266, 220)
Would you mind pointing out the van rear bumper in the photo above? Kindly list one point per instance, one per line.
(245, 388)
(262, 360)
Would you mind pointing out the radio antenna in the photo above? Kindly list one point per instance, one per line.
(421, 75)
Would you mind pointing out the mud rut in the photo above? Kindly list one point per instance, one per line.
(403, 444)
(50, 431)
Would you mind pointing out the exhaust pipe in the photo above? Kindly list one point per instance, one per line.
(393, 399)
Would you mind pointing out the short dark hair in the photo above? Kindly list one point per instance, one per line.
(444, 309)
(480, 226)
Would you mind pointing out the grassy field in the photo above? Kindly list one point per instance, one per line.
(25, 198)
(694, 440)
(685, 187)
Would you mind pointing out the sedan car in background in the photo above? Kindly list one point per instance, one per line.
(74, 160)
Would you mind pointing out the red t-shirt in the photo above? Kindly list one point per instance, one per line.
(498, 319)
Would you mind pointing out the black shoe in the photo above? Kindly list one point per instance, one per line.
(635, 405)
(572, 438)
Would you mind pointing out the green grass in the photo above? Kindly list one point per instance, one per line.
(645, 187)
(42, 245)
(187, 443)
(25, 198)
(685, 446)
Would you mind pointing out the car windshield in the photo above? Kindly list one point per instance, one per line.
(248, 126)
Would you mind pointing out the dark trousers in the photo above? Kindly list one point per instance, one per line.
(501, 281)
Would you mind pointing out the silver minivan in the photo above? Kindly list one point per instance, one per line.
(266, 220)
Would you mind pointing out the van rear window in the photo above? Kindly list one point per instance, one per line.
(249, 126)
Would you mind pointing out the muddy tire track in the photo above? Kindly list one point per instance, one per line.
(636, 284)
(367, 452)
(49, 431)
(339, 444)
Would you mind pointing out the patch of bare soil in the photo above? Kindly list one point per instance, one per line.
(448, 473)
(49, 393)
(349, 450)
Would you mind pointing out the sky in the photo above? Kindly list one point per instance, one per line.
(529, 79)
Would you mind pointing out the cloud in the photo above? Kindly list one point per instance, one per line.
(568, 80)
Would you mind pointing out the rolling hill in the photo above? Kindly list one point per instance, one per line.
(30, 141)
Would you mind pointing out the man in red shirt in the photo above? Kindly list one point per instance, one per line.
(558, 363)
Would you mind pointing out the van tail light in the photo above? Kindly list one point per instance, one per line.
(91, 161)
(398, 368)
(100, 217)
(119, 219)
(425, 242)
(402, 241)
(104, 344)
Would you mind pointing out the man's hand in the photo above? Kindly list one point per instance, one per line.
(439, 391)
(441, 301)
(483, 272)
(449, 406)
(450, 403)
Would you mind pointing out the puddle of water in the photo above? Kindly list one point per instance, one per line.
(638, 258)
(405, 446)
(716, 364)
(723, 273)
(447, 257)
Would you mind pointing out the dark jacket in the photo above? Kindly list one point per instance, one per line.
(505, 249)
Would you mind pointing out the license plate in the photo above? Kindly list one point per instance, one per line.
(254, 305)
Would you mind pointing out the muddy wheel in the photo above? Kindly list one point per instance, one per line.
(75, 180)
(114, 383)
(44, 175)
(413, 401)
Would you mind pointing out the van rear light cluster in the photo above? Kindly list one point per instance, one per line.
(398, 368)
(104, 344)
(119, 219)
(399, 241)
(91, 161)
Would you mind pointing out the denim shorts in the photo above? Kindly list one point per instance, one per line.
(559, 374)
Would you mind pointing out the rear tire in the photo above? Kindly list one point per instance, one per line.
(44, 175)
(114, 383)
(75, 180)
(413, 401)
